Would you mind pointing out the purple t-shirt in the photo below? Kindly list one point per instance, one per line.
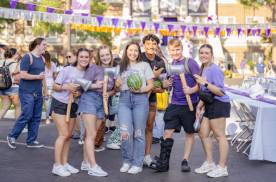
(96, 73)
(215, 76)
(178, 96)
(67, 75)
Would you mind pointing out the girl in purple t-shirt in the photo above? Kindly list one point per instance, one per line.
(92, 109)
(216, 111)
(63, 87)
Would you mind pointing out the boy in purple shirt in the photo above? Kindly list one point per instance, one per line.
(178, 114)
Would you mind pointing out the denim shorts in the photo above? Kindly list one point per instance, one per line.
(10, 91)
(91, 103)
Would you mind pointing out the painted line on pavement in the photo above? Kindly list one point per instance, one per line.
(24, 144)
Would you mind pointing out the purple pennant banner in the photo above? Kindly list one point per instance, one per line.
(194, 30)
(115, 22)
(206, 30)
(156, 27)
(31, 7)
(267, 32)
(228, 31)
(217, 32)
(248, 31)
(183, 29)
(129, 23)
(84, 14)
(13, 4)
(50, 10)
(143, 25)
(68, 12)
(258, 32)
(100, 20)
(170, 27)
(254, 31)
(239, 31)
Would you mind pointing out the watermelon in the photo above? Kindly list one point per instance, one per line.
(134, 81)
(157, 84)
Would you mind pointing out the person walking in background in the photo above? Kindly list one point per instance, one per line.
(63, 87)
(133, 108)
(30, 93)
(50, 75)
(10, 96)
(216, 111)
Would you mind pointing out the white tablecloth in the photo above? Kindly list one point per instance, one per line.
(263, 146)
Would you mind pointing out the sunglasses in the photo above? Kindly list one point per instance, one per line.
(68, 57)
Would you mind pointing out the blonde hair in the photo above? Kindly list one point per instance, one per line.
(98, 59)
(175, 43)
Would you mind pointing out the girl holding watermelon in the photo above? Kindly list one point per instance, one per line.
(135, 81)
(91, 108)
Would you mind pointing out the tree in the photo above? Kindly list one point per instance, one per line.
(271, 4)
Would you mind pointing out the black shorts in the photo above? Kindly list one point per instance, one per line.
(180, 115)
(217, 109)
(61, 108)
(152, 98)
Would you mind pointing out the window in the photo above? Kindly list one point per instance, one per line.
(227, 19)
(254, 19)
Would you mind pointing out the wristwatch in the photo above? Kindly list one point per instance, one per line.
(206, 85)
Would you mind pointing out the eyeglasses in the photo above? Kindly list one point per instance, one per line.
(68, 57)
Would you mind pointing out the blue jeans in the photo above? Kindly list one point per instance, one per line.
(31, 110)
(132, 114)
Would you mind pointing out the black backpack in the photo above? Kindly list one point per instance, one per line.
(5, 76)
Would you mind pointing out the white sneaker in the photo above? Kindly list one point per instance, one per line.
(99, 149)
(60, 171)
(97, 171)
(71, 169)
(147, 160)
(135, 170)
(218, 172)
(205, 168)
(113, 146)
(125, 167)
(85, 166)
(81, 141)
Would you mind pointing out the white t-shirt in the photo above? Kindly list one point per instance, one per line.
(142, 68)
(49, 74)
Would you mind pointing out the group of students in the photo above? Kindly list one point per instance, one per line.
(136, 108)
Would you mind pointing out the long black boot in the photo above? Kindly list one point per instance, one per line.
(163, 161)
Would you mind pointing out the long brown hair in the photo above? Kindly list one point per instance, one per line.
(77, 54)
(211, 50)
(47, 58)
(35, 43)
(98, 58)
(125, 60)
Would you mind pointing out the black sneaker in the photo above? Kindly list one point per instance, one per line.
(185, 166)
(11, 142)
(155, 140)
(35, 144)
